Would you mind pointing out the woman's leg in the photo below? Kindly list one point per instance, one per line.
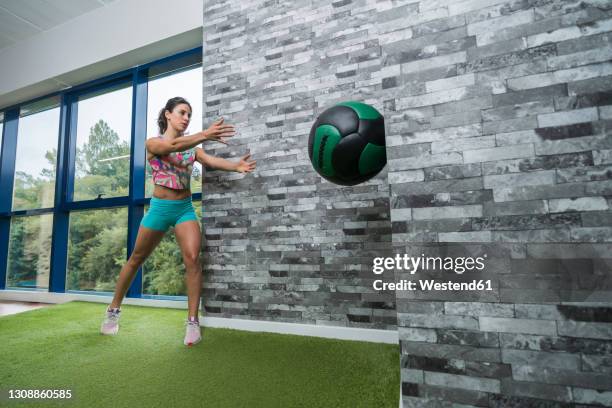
(189, 237)
(146, 241)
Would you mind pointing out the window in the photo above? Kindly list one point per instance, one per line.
(77, 145)
(97, 248)
(102, 165)
(36, 156)
(29, 251)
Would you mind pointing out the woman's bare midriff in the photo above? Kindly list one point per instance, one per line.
(166, 193)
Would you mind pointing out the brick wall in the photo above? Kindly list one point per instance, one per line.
(499, 141)
(502, 146)
(282, 243)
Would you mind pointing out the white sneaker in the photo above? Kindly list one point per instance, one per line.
(192, 334)
(110, 325)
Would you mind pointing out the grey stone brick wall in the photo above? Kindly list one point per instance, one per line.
(498, 125)
(500, 144)
(282, 243)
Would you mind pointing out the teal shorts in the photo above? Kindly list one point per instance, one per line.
(165, 213)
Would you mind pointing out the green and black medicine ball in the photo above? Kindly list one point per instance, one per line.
(347, 143)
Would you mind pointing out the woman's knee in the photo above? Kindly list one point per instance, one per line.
(191, 259)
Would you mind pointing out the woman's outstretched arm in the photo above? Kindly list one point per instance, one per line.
(219, 163)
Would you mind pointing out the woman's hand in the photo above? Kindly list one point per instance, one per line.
(244, 166)
(217, 131)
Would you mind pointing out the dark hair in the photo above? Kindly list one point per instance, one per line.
(162, 122)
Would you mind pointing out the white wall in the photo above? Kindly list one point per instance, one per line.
(121, 35)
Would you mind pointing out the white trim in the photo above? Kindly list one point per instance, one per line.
(315, 330)
(300, 329)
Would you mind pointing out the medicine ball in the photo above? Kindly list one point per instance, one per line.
(347, 143)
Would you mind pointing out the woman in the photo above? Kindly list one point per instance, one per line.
(171, 155)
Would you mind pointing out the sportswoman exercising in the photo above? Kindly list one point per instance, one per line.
(171, 155)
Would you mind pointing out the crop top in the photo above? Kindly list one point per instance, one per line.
(174, 169)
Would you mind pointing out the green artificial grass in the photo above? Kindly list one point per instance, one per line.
(147, 365)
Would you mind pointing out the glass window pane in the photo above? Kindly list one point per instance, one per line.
(175, 64)
(97, 248)
(163, 273)
(29, 252)
(1, 131)
(36, 158)
(103, 144)
(187, 84)
(39, 106)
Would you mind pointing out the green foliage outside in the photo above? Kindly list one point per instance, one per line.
(97, 247)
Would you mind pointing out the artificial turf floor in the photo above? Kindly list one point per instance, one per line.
(147, 365)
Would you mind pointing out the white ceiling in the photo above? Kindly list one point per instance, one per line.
(51, 45)
(22, 19)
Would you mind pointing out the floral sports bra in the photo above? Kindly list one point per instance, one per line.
(174, 169)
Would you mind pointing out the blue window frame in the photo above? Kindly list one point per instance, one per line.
(65, 170)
